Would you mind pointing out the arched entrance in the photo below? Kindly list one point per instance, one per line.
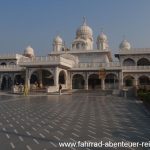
(62, 77)
(128, 81)
(94, 82)
(33, 79)
(19, 79)
(78, 81)
(47, 78)
(111, 81)
(41, 79)
(144, 80)
(6, 83)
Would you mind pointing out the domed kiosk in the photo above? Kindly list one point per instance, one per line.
(58, 44)
(125, 45)
(58, 40)
(29, 52)
(102, 42)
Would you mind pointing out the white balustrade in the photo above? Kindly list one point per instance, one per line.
(46, 60)
(136, 67)
(111, 65)
(59, 59)
(135, 51)
(97, 65)
(3, 56)
(10, 68)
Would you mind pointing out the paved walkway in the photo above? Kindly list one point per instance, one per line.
(41, 122)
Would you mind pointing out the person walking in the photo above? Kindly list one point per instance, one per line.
(60, 88)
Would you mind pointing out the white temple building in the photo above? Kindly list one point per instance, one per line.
(80, 67)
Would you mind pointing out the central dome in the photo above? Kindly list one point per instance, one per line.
(84, 31)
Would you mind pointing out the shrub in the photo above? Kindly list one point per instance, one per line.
(145, 96)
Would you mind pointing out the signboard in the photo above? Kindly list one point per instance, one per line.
(102, 73)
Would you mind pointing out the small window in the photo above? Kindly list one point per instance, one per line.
(78, 46)
(12, 63)
(3, 64)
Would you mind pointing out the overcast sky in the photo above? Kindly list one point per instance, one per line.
(37, 22)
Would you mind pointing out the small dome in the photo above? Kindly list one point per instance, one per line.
(125, 45)
(84, 31)
(29, 52)
(58, 39)
(102, 37)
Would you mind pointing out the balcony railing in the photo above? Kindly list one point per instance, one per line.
(136, 68)
(135, 51)
(112, 65)
(10, 68)
(39, 59)
(80, 66)
(46, 60)
(97, 65)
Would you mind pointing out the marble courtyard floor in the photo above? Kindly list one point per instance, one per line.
(41, 122)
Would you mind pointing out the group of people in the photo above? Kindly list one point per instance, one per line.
(21, 88)
(18, 88)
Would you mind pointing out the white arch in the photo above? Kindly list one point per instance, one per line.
(128, 76)
(82, 74)
(78, 74)
(143, 76)
(144, 80)
(131, 80)
(89, 74)
(36, 69)
(147, 61)
(12, 63)
(65, 75)
(115, 74)
(79, 82)
(129, 62)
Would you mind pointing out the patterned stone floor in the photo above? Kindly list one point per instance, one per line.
(41, 122)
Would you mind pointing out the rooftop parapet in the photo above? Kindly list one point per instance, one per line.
(9, 68)
(46, 60)
(135, 51)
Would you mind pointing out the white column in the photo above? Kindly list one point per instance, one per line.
(136, 86)
(69, 81)
(27, 80)
(136, 82)
(120, 80)
(0, 81)
(40, 78)
(103, 83)
(86, 82)
(56, 77)
(70, 86)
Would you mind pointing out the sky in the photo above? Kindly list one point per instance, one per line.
(37, 22)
